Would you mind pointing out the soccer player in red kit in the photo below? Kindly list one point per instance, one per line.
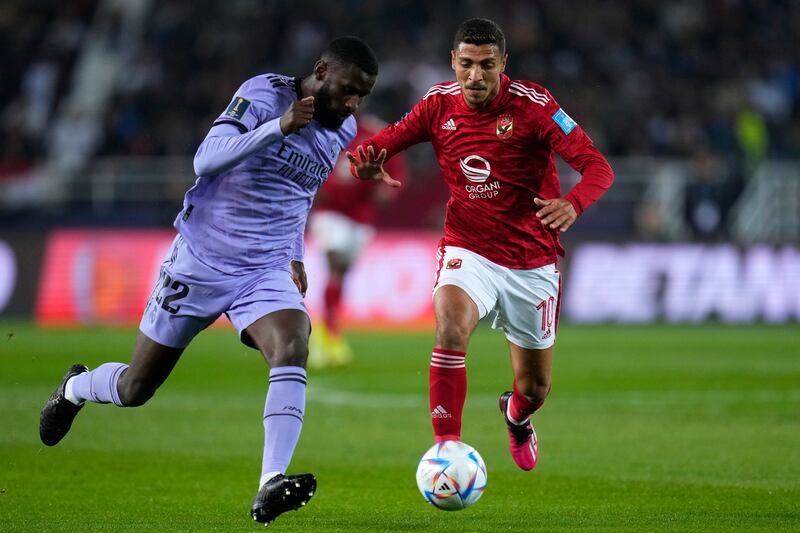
(342, 223)
(495, 140)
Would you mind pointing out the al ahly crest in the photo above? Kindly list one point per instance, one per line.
(505, 126)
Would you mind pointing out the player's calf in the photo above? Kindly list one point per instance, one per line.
(135, 392)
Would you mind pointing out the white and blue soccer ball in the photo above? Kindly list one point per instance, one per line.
(451, 475)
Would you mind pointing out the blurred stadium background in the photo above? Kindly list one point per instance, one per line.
(684, 426)
(697, 105)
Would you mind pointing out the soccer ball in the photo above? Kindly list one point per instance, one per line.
(451, 475)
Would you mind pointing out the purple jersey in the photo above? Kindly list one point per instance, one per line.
(253, 215)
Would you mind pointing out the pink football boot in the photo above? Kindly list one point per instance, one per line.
(522, 438)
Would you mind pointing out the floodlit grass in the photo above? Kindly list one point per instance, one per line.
(647, 428)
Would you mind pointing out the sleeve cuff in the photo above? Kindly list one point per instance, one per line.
(574, 201)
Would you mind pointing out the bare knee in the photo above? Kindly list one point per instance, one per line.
(282, 337)
(291, 351)
(453, 331)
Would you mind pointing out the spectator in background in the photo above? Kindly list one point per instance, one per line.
(660, 77)
(705, 205)
(752, 138)
(648, 78)
(40, 43)
(341, 225)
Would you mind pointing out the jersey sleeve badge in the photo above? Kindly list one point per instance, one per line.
(564, 121)
(237, 108)
(505, 126)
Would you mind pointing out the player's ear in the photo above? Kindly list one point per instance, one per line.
(320, 70)
(503, 63)
(453, 59)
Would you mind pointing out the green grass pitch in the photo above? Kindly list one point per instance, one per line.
(646, 429)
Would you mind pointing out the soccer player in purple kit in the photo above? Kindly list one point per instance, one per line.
(239, 251)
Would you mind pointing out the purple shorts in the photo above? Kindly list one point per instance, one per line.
(189, 296)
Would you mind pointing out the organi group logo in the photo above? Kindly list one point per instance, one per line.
(477, 170)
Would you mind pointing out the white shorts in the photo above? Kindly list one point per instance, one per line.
(523, 303)
(334, 232)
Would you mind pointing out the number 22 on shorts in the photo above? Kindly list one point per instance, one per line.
(182, 291)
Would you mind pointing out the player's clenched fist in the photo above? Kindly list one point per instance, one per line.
(298, 115)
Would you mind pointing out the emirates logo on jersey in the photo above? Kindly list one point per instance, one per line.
(505, 126)
(475, 168)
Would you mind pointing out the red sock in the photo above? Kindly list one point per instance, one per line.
(519, 408)
(448, 390)
(333, 297)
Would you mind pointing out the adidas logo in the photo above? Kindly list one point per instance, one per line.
(449, 125)
(440, 412)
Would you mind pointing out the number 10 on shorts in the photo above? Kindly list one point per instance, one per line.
(548, 310)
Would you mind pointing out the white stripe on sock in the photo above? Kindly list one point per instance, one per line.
(510, 418)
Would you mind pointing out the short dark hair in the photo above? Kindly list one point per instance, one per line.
(480, 31)
(352, 51)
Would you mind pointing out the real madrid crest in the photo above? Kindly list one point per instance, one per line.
(505, 126)
(333, 150)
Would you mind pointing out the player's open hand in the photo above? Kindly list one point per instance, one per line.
(557, 213)
(368, 167)
(298, 115)
(299, 277)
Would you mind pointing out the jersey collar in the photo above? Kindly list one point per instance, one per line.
(298, 89)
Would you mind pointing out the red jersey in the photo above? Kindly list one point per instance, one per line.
(495, 160)
(351, 197)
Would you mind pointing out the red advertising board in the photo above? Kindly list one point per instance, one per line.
(102, 276)
(106, 276)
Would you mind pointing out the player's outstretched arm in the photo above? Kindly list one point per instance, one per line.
(368, 167)
(558, 213)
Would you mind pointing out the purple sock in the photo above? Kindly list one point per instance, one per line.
(99, 385)
(283, 417)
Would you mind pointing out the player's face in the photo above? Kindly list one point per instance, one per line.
(343, 89)
(478, 69)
